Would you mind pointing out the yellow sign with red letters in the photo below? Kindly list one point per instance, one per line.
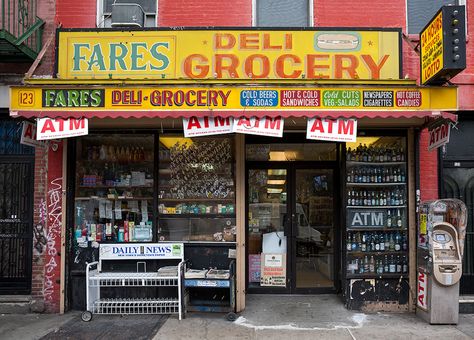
(229, 54)
(230, 98)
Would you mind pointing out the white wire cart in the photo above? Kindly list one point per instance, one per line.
(166, 276)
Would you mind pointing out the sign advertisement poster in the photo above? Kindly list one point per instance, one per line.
(439, 135)
(273, 270)
(263, 126)
(28, 135)
(206, 126)
(230, 54)
(254, 267)
(53, 128)
(336, 130)
(140, 251)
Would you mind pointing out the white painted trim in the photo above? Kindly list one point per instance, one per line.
(254, 13)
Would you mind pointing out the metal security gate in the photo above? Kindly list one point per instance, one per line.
(459, 183)
(16, 210)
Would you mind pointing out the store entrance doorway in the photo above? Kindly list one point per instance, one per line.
(292, 238)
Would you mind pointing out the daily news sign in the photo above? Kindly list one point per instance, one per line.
(49, 128)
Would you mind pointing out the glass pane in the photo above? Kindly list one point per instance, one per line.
(420, 12)
(10, 136)
(149, 6)
(282, 13)
(292, 152)
(196, 199)
(315, 228)
(267, 214)
(114, 189)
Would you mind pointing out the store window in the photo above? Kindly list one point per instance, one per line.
(283, 152)
(420, 12)
(114, 189)
(283, 13)
(196, 189)
(121, 12)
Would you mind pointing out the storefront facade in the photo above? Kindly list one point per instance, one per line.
(211, 149)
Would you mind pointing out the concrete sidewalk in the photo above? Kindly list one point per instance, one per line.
(266, 317)
(310, 317)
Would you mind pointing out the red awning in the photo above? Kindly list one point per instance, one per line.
(234, 113)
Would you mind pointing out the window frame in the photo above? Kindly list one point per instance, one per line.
(310, 13)
(415, 36)
(101, 17)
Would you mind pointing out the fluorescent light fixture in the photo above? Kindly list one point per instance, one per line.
(276, 182)
(274, 190)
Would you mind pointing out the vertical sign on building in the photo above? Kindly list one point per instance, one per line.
(443, 45)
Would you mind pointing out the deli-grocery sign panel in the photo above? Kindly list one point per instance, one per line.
(229, 54)
(229, 100)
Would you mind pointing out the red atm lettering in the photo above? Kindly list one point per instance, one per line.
(272, 124)
(439, 133)
(74, 124)
(421, 289)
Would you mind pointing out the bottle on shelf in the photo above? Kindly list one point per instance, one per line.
(392, 267)
(386, 265)
(372, 265)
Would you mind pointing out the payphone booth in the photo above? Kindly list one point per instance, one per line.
(441, 233)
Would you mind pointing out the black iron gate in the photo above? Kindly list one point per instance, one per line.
(458, 182)
(16, 210)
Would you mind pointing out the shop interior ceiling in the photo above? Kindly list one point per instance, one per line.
(290, 123)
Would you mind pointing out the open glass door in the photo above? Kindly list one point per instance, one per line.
(313, 227)
(267, 229)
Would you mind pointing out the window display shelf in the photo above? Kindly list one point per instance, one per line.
(375, 228)
(376, 206)
(113, 199)
(197, 215)
(196, 199)
(390, 252)
(114, 186)
(374, 163)
(352, 184)
(378, 276)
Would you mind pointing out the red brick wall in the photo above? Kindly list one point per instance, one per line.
(76, 14)
(362, 13)
(204, 13)
(39, 222)
(428, 169)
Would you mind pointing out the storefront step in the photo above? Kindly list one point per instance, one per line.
(466, 304)
(15, 304)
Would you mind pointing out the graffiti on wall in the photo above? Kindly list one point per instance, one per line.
(39, 234)
(53, 236)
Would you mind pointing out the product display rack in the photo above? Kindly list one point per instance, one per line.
(376, 236)
(96, 279)
(196, 190)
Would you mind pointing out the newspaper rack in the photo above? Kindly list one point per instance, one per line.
(169, 276)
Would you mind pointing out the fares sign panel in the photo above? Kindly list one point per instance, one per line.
(231, 99)
(229, 54)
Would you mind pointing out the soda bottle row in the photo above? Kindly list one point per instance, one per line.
(374, 241)
(117, 153)
(378, 265)
(376, 154)
(375, 197)
(376, 175)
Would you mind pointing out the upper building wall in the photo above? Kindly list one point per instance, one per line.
(342, 13)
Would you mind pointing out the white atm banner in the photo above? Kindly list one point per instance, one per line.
(263, 126)
(335, 130)
(28, 135)
(49, 128)
(206, 126)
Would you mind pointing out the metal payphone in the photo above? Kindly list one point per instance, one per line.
(441, 232)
